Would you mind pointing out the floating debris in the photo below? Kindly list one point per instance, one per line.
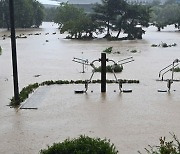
(133, 51)
(36, 76)
(164, 45)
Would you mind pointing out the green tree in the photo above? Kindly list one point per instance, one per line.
(136, 17)
(107, 11)
(38, 13)
(4, 14)
(167, 14)
(67, 12)
(75, 21)
(157, 18)
(27, 13)
(118, 15)
(50, 14)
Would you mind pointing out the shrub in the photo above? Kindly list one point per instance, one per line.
(108, 50)
(24, 94)
(117, 68)
(165, 147)
(81, 145)
(177, 69)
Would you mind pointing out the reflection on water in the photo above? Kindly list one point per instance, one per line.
(129, 120)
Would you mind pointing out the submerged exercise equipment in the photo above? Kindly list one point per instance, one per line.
(103, 61)
(84, 62)
(165, 70)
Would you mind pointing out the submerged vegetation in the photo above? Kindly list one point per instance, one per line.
(108, 50)
(82, 145)
(26, 91)
(117, 68)
(177, 69)
(164, 45)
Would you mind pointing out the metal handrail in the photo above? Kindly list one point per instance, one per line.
(168, 71)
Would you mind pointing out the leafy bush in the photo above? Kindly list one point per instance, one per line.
(177, 69)
(165, 147)
(24, 94)
(82, 145)
(117, 68)
(108, 50)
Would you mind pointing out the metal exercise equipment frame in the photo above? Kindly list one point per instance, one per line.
(103, 61)
(84, 62)
(165, 70)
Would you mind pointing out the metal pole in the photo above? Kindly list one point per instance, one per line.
(172, 78)
(103, 72)
(14, 56)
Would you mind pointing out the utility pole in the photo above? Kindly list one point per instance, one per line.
(14, 55)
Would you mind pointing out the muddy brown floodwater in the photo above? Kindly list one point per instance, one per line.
(131, 121)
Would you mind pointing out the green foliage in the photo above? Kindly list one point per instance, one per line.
(26, 91)
(118, 15)
(23, 95)
(115, 15)
(166, 14)
(50, 14)
(177, 69)
(108, 50)
(165, 147)
(27, 13)
(75, 21)
(82, 145)
(117, 69)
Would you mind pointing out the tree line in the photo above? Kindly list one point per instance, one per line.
(108, 16)
(166, 14)
(27, 13)
(116, 16)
